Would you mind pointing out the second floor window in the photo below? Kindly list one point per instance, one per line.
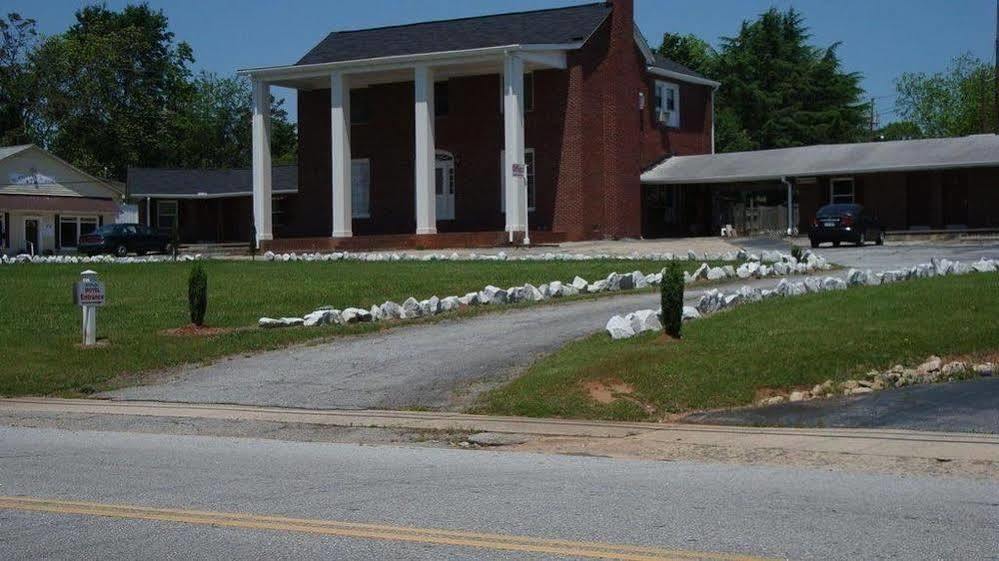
(359, 106)
(667, 104)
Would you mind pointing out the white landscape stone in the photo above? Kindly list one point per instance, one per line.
(644, 320)
(580, 284)
(619, 328)
(391, 310)
(450, 303)
(355, 315)
(555, 289)
(411, 308)
(690, 313)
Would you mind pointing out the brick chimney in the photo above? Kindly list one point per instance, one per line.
(622, 133)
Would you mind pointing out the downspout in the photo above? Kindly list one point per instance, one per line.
(790, 206)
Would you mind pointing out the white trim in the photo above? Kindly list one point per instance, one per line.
(682, 77)
(713, 120)
(323, 68)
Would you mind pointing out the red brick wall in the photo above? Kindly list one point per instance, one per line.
(590, 139)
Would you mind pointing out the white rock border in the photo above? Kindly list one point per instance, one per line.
(412, 308)
(714, 300)
(24, 259)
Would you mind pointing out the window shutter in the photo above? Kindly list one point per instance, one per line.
(100, 220)
(58, 233)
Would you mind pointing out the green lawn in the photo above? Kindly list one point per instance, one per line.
(724, 359)
(39, 328)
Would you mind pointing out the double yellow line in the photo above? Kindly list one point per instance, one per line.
(500, 542)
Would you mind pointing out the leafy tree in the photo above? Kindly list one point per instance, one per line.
(690, 51)
(213, 128)
(957, 102)
(777, 89)
(899, 130)
(18, 38)
(109, 85)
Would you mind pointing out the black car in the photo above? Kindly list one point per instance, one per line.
(122, 239)
(845, 223)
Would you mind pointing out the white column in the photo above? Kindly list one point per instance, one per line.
(424, 158)
(340, 127)
(513, 134)
(261, 160)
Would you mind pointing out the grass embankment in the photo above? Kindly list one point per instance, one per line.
(725, 359)
(40, 327)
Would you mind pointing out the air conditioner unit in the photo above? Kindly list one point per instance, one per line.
(663, 116)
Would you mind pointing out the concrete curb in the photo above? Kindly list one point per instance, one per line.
(871, 442)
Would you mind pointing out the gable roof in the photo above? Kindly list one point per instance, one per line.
(672, 66)
(980, 150)
(205, 183)
(554, 26)
(8, 151)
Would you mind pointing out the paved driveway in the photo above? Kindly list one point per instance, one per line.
(970, 406)
(891, 255)
(437, 365)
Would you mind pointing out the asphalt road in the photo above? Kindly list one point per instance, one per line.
(970, 406)
(437, 365)
(711, 509)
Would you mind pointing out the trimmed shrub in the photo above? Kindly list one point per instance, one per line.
(671, 298)
(197, 294)
(797, 252)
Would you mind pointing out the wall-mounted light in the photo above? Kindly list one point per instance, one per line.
(641, 101)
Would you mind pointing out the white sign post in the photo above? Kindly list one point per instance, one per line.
(88, 293)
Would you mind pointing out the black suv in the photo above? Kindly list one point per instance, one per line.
(122, 239)
(845, 223)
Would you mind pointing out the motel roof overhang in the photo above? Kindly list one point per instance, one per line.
(828, 160)
(389, 69)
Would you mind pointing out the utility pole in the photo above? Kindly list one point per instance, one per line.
(995, 71)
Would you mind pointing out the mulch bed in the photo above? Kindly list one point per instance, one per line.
(191, 330)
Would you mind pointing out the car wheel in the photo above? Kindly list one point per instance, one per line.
(861, 239)
(121, 251)
(835, 244)
(881, 238)
(815, 243)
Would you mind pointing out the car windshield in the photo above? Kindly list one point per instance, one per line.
(106, 230)
(838, 210)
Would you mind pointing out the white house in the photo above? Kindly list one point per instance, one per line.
(46, 203)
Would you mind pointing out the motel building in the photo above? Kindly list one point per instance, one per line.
(553, 125)
(46, 204)
(474, 131)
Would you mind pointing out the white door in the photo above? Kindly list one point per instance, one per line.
(444, 186)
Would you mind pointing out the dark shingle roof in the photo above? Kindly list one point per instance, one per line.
(667, 64)
(552, 26)
(159, 182)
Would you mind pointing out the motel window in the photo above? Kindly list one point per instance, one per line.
(667, 105)
(72, 227)
(3, 230)
(166, 215)
(528, 92)
(841, 191)
(360, 106)
(531, 189)
(442, 104)
(360, 188)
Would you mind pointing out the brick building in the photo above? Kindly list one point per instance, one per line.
(474, 131)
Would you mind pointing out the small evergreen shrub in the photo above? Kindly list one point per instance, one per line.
(197, 294)
(253, 242)
(671, 297)
(796, 252)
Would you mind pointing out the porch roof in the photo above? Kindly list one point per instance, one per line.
(167, 183)
(40, 203)
(980, 150)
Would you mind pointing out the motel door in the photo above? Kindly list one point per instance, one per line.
(31, 239)
(444, 185)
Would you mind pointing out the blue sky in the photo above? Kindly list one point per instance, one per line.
(880, 38)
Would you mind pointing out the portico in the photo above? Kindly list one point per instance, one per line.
(433, 183)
